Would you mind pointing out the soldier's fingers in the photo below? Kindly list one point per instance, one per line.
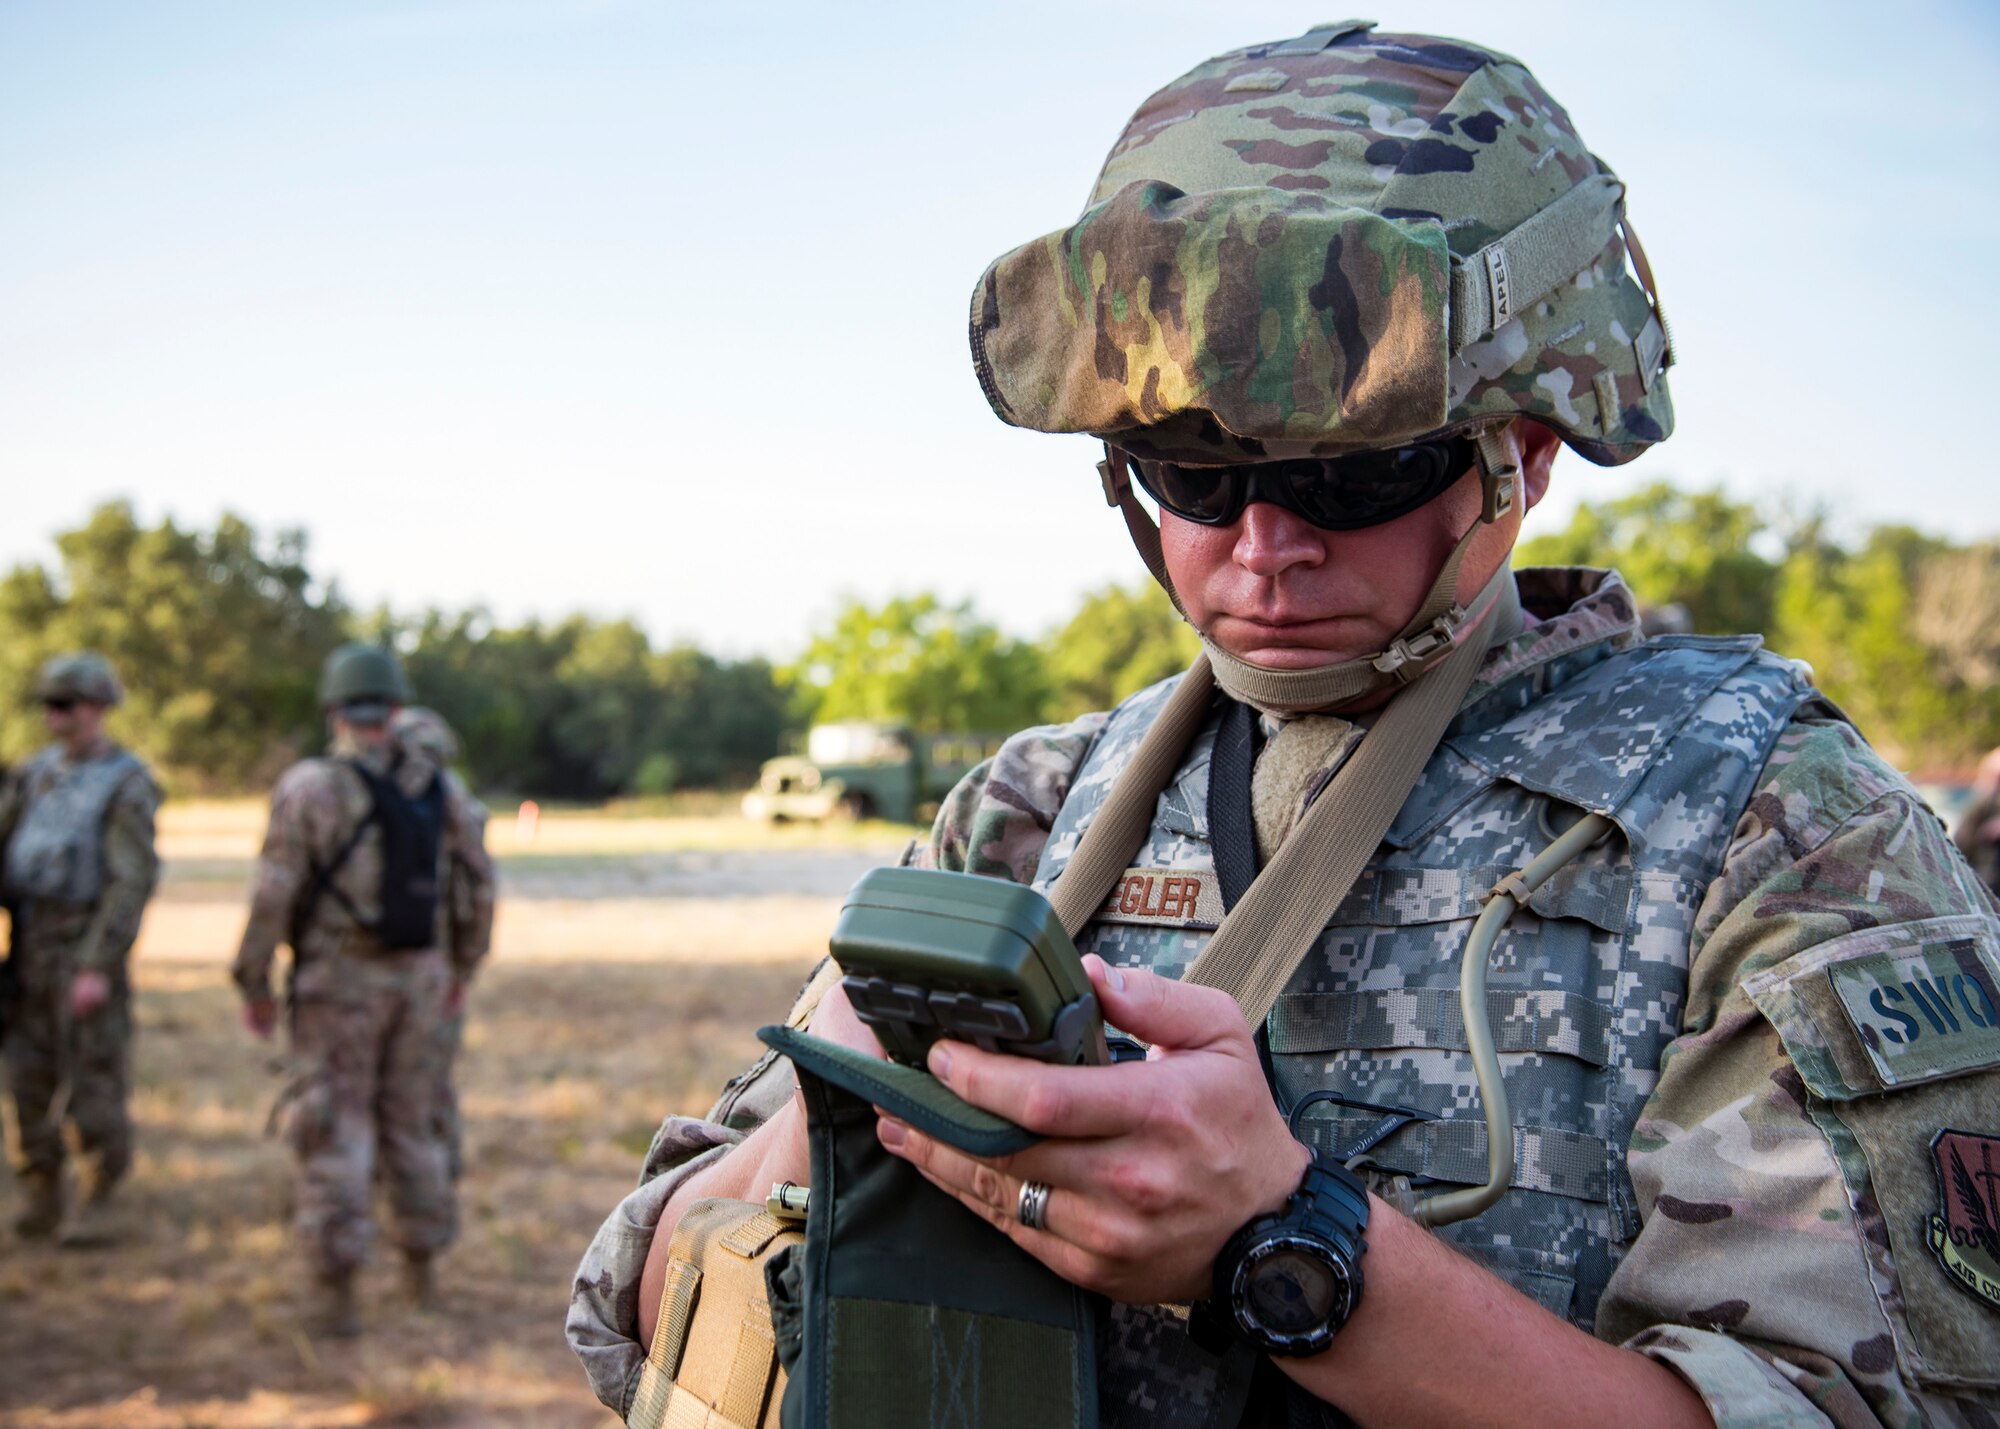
(1073, 1102)
(1075, 1164)
(1068, 1239)
(993, 1192)
(1162, 1012)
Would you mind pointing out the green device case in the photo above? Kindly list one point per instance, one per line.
(928, 954)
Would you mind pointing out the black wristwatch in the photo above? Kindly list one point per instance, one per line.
(1287, 1282)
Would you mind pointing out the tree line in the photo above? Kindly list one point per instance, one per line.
(1902, 628)
(219, 634)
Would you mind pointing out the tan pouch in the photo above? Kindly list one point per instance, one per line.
(714, 1362)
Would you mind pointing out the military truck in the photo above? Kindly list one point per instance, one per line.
(864, 770)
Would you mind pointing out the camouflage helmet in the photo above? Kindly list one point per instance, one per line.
(82, 675)
(357, 673)
(425, 731)
(1341, 241)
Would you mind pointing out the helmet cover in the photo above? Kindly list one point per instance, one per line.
(1342, 241)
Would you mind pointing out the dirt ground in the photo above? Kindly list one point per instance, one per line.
(633, 959)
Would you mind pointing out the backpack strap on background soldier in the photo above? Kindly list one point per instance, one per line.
(412, 839)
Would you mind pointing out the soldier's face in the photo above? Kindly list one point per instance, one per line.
(72, 721)
(1277, 591)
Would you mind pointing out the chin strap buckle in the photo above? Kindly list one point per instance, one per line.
(1409, 656)
(1499, 472)
(1117, 482)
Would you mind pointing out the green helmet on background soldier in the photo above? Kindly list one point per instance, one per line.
(362, 674)
(83, 676)
(1339, 242)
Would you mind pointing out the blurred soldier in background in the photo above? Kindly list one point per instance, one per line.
(469, 894)
(354, 876)
(77, 822)
(1978, 831)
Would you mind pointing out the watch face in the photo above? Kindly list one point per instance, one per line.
(1292, 1289)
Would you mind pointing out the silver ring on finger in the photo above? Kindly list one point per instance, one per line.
(1032, 1206)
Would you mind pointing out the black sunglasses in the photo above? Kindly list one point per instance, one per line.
(1341, 493)
(62, 704)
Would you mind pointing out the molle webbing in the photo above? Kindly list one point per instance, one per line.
(1552, 1159)
(718, 1370)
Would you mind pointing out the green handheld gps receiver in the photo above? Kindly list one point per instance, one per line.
(929, 955)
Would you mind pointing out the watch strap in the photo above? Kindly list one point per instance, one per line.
(1330, 1192)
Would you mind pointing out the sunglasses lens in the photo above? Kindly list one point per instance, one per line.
(1343, 493)
(1368, 488)
(60, 706)
(1205, 494)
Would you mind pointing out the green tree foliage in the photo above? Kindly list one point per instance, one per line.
(1902, 629)
(939, 668)
(218, 637)
(1122, 639)
(588, 709)
(1690, 548)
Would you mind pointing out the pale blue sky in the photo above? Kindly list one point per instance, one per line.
(660, 308)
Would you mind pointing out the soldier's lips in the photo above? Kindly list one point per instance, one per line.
(1295, 644)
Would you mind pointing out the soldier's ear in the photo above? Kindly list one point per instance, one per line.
(1539, 445)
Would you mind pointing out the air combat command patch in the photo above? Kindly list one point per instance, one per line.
(1965, 1234)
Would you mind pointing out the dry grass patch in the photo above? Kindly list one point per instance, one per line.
(566, 1072)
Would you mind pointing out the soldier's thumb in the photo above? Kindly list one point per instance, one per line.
(1162, 1013)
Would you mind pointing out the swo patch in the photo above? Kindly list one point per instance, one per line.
(1923, 1013)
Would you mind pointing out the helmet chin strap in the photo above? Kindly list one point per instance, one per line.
(1432, 633)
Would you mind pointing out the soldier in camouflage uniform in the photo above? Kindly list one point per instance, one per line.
(1978, 831)
(469, 896)
(77, 825)
(1750, 1038)
(368, 1010)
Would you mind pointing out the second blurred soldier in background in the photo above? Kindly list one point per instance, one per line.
(469, 901)
(77, 825)
(355, 875)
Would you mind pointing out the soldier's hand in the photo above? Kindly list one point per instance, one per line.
(454, 998)
(260, 1015)
(1153, 1164)
(88, 992)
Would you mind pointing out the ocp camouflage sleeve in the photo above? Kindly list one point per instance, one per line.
(305, 807)
(1784, 1163)
(131, 867)
(995, 821)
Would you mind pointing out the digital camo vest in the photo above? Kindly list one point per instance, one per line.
(1586, 986)
(57, 852)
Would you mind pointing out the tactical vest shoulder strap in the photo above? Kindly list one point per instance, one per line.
(322, 878)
